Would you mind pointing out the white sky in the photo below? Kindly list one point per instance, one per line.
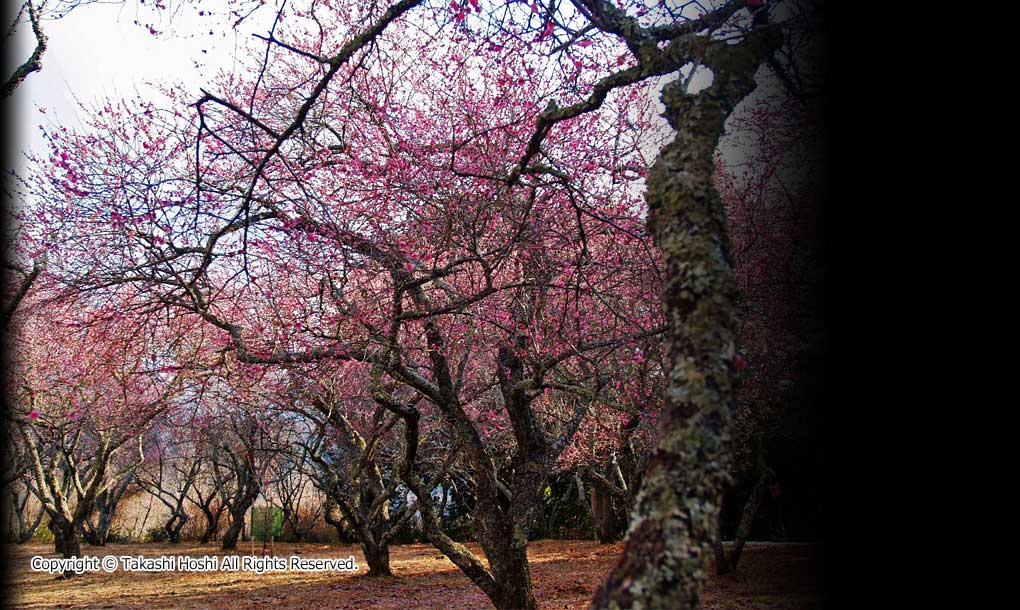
(98, 52)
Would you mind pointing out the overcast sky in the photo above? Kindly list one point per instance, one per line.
(98, 51)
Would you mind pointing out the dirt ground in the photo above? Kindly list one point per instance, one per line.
(565, 573)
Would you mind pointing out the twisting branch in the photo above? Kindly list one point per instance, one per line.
(34, 62)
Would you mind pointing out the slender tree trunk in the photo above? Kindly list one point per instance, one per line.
(175, 524)
(722, 564)
(553, 513)
(27, 533)
(32, 64)
(210, 530)
(675, 517)
(583, 496)
(501, 524)
(761, 487)
(25, 530)
(212, 524)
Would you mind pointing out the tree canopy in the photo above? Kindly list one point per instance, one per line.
(419, 241)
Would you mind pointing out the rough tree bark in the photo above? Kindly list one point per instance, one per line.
(603, 514)
(34, 62)
(233, 530)
(67, 514)
(58, 536)
(675, 515)
(378, 558)
(66, 539)
(727, 563)
(174, 525)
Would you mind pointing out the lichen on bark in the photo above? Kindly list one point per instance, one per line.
(675, 515)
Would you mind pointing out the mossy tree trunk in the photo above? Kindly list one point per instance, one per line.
(675, 515)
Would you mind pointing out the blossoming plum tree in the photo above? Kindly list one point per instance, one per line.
(85, 387)
(450, 194)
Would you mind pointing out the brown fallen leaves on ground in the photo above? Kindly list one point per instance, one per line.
(565, 573)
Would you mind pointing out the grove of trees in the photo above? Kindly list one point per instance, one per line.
(419, 259)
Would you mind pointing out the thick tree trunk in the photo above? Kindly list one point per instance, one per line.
(106, 507)
(510, 570)
(675, 517)
(603, 514)
(71, 542)
(66, 540)
(93, 537)
(378, 558)
(233, 532)
(502, 528)
(58, 537)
